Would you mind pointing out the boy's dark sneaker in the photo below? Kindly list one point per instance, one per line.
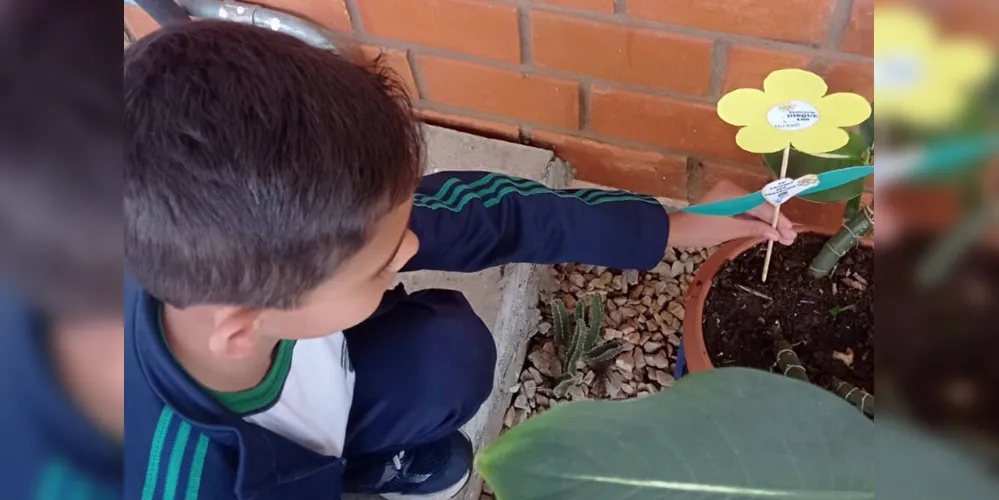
(434, 471)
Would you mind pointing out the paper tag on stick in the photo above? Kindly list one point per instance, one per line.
(779, 191)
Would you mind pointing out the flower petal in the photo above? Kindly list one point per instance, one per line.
(843, 109)
(963, 62)
(938, 106)
(794, 84)
(762, 139)
(819, 139)
(743, 107)
(902, 27)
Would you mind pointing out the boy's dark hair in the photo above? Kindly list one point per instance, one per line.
(60, 158)
(255, 164)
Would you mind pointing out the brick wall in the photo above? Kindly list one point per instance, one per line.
(625, 89)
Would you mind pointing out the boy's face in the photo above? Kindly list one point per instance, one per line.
(353, 294)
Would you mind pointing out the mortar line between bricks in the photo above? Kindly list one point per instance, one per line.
(719, 67)
(555, 73)
(526, 134)
(839, 20)
(355, 16)
(695, 178)
(621, 7)
(580, 134)
(417, 71)
(632, 22)
(532, 70)
(524, 32)
(584, 106)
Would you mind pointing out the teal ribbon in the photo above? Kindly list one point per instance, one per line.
(953, 155)
(741, 205)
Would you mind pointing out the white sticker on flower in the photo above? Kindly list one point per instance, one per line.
(793, 115)
(898, 72)
(781, 190)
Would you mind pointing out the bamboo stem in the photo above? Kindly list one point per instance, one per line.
(788, 361)
(773, 224)
(863, 400)
(839, 244)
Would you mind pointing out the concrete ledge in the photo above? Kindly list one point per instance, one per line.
(505, 298)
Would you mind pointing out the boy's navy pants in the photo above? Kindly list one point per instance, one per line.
(424, 365)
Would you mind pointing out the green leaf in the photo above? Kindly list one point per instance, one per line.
(731, 433)
(800, 164)
(914, 466)
(867, 131)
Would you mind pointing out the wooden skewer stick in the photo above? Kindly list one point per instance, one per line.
(770, 244)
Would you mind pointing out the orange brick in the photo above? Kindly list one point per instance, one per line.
(634, 170)
(628, 55)
(477, 126)
(747, 177)
(479, 28)
(331, 14)
(969, 19)
(788, 20)
(859, 36)
(139, 23)
(748, 66)
(396, 61)
(605, 6)
(850, 77)
(666, 122)
(533, 98)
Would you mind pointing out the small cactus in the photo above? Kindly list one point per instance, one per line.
(579, 340)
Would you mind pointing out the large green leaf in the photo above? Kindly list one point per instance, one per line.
(911, 465)
(800, 164)
(731, 433)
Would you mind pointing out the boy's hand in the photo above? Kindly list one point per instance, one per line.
(700, 231)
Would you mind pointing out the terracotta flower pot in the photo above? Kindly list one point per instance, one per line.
(694, 351)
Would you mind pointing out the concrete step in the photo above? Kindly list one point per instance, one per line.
(505, 298)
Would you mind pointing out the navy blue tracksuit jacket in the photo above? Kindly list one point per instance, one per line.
(50, 451)
(424, 362)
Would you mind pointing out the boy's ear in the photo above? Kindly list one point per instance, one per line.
(235, 333)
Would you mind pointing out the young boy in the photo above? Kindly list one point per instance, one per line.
(62, 365)
(273, 191)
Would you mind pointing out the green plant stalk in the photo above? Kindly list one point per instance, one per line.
(842, 242)
(577, 345)
(560, 323)
(948, 251)
(852, 207)
(863, 400)
(788, 361)
(604, 353)
(596, 322)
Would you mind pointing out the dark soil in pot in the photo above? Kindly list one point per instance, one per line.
(829, 322)
(940, 345)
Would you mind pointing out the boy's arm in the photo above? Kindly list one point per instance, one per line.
(468, 221)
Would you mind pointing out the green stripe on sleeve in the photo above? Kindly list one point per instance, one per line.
(176, 460)
(447, 185)
(82, 490)
(523, 187)
(197, 467)
(52, 481)
(155, 454)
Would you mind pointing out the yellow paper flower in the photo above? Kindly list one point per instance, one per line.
(792, 108)
(919, 77)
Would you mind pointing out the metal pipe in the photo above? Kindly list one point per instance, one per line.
(164, 11)
(256, 15)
